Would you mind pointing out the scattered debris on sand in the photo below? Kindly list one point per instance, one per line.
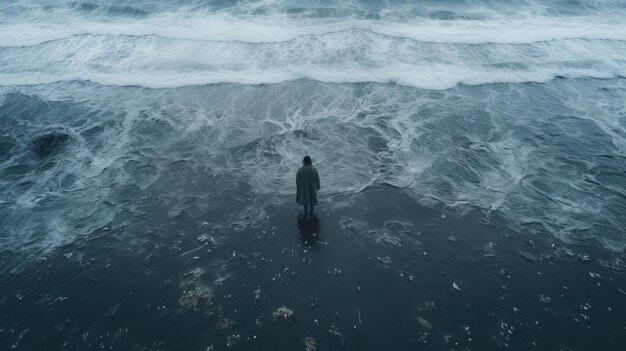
(384, 260)
(335, 333)
(424, 323)
(195, 294)
(408, 277)
(595, 276)
(310, 343)
(258, 294)
(545, 299)
(334, 273)
(283, 313)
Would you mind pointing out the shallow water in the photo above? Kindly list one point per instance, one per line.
(148, 155)
(375, 271)
(549, 155)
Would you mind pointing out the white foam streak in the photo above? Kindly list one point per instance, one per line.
(280, 27)
(343, 57)
(183, 47)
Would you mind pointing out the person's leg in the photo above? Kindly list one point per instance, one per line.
(306, 210)
(311, 211)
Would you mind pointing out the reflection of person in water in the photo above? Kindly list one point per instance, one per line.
(309, 229)
(307, 184)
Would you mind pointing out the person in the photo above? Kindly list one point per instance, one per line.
(307, 185)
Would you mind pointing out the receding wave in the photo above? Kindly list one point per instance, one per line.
(82, 152)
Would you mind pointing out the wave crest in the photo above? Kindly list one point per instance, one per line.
(350, 56)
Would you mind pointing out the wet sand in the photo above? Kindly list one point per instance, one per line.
(372, 271)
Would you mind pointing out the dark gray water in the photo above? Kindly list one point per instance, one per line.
(148, 155)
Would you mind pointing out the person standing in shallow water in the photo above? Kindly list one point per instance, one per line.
(307, 185)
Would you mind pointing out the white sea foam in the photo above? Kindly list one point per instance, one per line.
(477, 146)
(186, 25)
(488, 146)
(341, 57)
(173, 47)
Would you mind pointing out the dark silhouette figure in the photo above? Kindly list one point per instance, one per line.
(307, 185)
(309, 228)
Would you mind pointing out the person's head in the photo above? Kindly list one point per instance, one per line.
(307, 160)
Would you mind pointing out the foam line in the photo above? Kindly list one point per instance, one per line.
(278, 28)
(350, 56)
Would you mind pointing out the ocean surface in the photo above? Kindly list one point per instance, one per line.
(472, 157)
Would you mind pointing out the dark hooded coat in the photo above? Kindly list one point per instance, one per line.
(307, 184)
